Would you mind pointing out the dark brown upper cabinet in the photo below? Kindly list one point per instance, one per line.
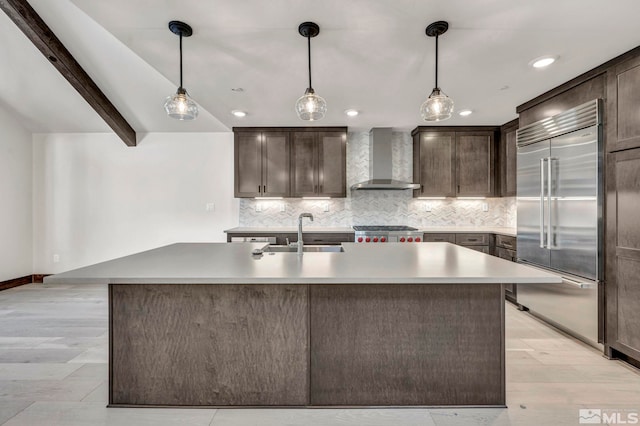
(434, 164)
(290, 161)
(623, 104)
(261, 164)
(455, 161)
(318, 163)
(508, 156)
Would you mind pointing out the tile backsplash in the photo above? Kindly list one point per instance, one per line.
(380, 207)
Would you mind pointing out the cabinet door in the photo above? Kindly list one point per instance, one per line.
(440, 238)
(474, 164)
(508, 151)
(437, 164)
(248, 164)
(623, 97)
(623, 253)
(473, 239)
(332, 164)
(275, 164)
(304, 164)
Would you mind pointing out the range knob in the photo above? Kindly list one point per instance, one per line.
(375, 239)
(402, 239)
(410, 239)
(359, 239)
(368, 239)
(383, 239)
(417, 239)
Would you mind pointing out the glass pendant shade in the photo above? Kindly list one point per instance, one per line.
(311, 107)
(180, 106)
(437, 107)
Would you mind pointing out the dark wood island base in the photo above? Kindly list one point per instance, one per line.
(306, 345)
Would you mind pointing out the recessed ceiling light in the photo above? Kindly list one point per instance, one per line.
(351, 112)
(543, 61)
(239, 113)
(465, 112)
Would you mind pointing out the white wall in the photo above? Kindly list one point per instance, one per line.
(15, 192)
(97, 199)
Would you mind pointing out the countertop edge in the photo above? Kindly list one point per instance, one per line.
(508, 231)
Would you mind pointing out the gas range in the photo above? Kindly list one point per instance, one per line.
(386, 234)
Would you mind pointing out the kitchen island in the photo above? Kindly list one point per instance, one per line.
(375, 325)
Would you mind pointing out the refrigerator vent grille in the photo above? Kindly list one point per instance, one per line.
(585, 115)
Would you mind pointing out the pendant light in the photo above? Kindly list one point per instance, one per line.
(180, 105)
(310, 107)
(438, 106)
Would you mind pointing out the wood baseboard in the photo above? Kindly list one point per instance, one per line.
(27, 279)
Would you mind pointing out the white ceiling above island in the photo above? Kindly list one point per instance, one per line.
(372, 56)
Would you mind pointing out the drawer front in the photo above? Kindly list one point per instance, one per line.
(506, 254)
(440, 238)
(506, 242)
(472, 239)
(326, 238)
(482, 249)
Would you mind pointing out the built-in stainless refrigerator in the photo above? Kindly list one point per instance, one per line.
(559, 199)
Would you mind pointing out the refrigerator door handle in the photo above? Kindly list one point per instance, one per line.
(579, 284)
(550, 243)
(541, 203)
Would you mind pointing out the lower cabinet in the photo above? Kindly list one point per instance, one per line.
(506, 249)
(477, 242)
(315, 238)
(502, 246)
(439, 238)
(622, 288)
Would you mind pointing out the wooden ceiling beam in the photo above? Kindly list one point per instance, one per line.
(36, 30)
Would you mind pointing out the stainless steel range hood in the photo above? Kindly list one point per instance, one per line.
(380, 164)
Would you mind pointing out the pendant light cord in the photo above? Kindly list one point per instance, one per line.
(437, 61)
(309, 56)
(181, 60)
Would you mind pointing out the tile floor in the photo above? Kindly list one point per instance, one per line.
(53, 372)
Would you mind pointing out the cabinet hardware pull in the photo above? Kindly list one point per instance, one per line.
(458, 189)
(472, 239)
(264, 189)
(259, 192)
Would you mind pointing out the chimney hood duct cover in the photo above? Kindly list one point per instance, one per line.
(380, 164)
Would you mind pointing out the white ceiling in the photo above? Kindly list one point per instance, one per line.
(371, 55)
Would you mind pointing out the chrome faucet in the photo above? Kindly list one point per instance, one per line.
(300, 242)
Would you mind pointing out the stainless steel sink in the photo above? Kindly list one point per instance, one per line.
(309, 248)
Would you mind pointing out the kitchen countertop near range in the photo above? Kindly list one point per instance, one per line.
(347, 229)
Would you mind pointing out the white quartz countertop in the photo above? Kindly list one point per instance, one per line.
(233, 263)
(318, 229)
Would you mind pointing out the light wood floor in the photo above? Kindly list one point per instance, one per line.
(53, 372)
